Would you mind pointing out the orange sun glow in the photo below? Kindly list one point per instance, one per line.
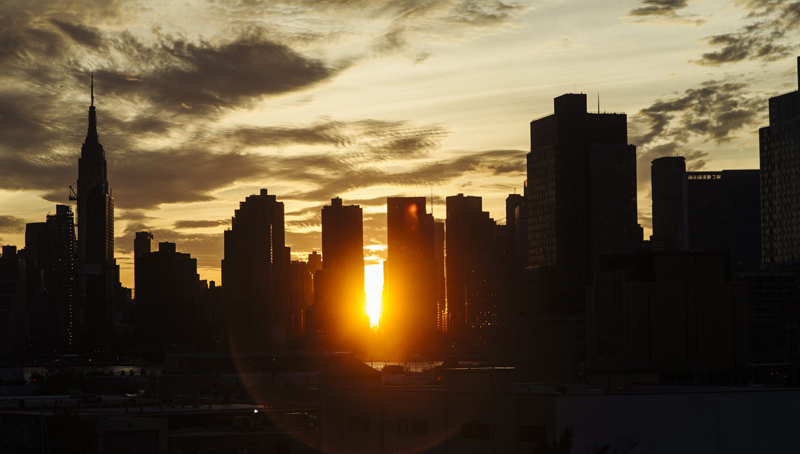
(373, 283)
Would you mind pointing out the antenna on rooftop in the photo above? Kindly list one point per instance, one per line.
(432, 201)
(598, 102)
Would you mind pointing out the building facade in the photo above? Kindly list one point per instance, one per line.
(339, 320)
(581, 200)
(168, 313)
(408, 321)
(779, 147)
(473, 268)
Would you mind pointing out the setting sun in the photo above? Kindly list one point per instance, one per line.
(373, 283)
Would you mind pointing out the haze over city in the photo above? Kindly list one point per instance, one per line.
(201, 104)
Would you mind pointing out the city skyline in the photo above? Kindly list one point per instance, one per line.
(363, 101)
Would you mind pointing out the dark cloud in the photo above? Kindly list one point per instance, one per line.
(752, 43)
(665, 10)
(147, 179)
(484, 12)
(87, 36)
(199, 224)
(770, 35)
(133, 215)
(200, 77)
(11, 224)
(715, 110)
(659, 8)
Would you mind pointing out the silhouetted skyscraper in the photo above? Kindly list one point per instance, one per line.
(582, 199)
(95, 241)
(142, 244)
(668, 179)
(779, 146)
(342, 300)
(408, 321)
(254, 276)
(473, 269)
(61, 278)
(167, 288)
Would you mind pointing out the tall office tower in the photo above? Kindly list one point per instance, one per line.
(167, 290)
(473, 269)
(13, 329)
(254, 276)
(61, 277)
(342, 298)
(582, 200)
(779, 144)
(50, 287)
(408, 321)
(670, 228)
(95, 241)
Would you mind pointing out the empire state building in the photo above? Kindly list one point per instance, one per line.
(95, 241)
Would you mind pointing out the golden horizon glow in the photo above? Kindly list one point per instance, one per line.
(373, 284)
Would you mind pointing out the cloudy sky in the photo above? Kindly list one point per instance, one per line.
(203, 102)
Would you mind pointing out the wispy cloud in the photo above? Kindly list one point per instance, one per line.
(12, 224)
(769, 35)
(664, 11)
(200, 224)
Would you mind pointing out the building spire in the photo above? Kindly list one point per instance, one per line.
(91, 135)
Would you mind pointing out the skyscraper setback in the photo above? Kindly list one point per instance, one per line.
(96, 267)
